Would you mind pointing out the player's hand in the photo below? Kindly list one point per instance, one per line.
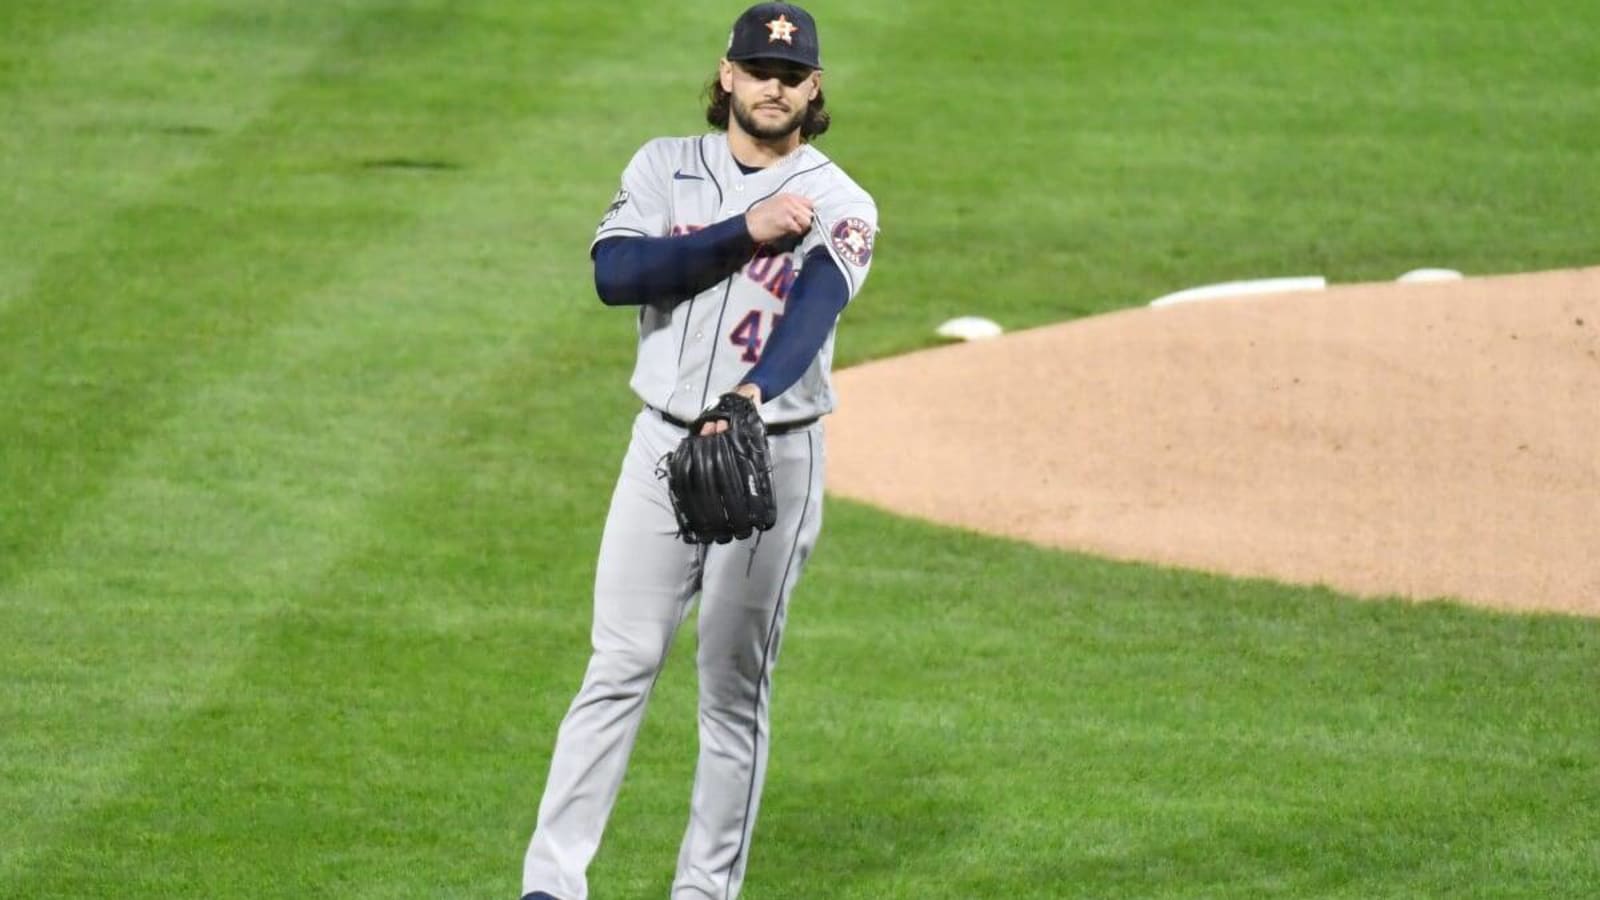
(720, 425)
(777, 217)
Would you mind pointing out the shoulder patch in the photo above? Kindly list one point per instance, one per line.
(852, 239)
(617, 203)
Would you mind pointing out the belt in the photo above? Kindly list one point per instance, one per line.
(775, 429)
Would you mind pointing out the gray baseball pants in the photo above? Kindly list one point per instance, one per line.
(645, 585)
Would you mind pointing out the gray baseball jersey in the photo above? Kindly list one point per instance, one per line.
(696, 350)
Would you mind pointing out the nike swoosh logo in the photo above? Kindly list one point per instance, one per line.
(679, 176)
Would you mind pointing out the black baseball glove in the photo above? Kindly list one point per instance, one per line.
(721, 484)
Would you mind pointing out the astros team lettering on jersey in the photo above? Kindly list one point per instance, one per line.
(697, 349)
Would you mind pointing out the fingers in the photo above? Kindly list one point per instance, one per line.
(800, 215)
(793, 223)
(778, 216)
(799, 210)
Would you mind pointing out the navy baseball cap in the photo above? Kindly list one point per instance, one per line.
(775, 31)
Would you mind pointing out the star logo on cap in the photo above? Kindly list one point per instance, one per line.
(781, 29)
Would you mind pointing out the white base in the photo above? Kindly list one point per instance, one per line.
(1246, 288)
(969, 328)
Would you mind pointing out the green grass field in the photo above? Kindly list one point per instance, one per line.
(309, 418)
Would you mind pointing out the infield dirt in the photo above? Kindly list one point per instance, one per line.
(1422, 440)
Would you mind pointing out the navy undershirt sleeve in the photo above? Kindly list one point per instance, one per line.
(633, 271)
(819, 295)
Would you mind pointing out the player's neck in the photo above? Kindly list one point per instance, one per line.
(759, 154)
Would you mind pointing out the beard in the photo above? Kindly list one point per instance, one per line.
(747, 121)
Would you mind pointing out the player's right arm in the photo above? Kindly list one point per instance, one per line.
(637, 270)
(629, 271)
(637, 261)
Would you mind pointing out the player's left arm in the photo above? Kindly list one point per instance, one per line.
(818, 296)
(838, 255)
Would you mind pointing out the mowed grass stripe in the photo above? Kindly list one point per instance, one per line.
(30, 28)
(400, 697)
(114, 335)
(105, 103)
(236, 501)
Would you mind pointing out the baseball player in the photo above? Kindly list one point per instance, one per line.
(738, 249)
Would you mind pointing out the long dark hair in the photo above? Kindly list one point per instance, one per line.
(720, 103)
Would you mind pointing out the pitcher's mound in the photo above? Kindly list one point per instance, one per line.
(1426, 440)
